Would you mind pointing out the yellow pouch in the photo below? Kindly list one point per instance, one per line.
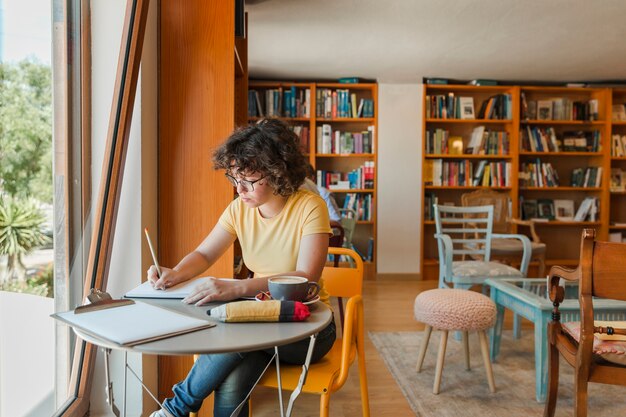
(260, 311)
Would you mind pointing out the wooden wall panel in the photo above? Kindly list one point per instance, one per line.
(196, 114)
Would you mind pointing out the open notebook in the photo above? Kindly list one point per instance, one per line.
(181, 290)
(133, 324)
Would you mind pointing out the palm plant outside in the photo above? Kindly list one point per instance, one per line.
(20, 231)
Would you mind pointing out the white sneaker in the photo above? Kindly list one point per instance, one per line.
(161, 413)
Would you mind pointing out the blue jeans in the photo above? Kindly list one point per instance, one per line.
(232, 375)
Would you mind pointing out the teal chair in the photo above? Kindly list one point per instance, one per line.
(464, 241)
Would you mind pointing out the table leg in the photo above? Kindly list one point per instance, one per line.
(541, 356)
(237, 410)
(125, 382)
(280, 382)
(109, 384)
(303, 375)
(496, 331)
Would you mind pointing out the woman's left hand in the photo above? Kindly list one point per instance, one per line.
(214, 290)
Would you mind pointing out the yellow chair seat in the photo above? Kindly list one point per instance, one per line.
(330, 373)
(321, 374)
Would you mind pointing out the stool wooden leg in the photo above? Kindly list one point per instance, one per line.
(440, 357)
(485, 351)
(465, 337)
(420, 359)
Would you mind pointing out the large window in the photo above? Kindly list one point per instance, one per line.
(97, 79)
(26, 209)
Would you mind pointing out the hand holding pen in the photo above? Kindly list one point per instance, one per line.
(160, 278)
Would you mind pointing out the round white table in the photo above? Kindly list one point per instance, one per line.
(224, 337)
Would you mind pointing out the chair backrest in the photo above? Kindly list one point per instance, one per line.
(602, 269)
(500, 203)
(344, 281)
(469, 229)
(348, 221)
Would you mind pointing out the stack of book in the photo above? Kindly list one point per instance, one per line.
(290, 102)
(618, 146)
(538, 174)
(587, 177)
(341, 103)
(338, 142)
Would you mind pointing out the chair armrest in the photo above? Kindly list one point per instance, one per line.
(556, 291)
(530, 224)
(526, 245)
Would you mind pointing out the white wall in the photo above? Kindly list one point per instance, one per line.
(26, 360)
(137, 205)
(399, 178)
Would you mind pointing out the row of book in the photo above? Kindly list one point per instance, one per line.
(537, 174)
(482, 142)
(618, 180)
(340, 103)
(449, 106)
(438, 172)
(618, 112)
(559, 209)
(359, 178)
(487, 142)
(338, 142)
(559, 108)
(303, 135)
(290, 102)
(361, 204)
(539, 139)
(430, 200)
(618, 146)
(586, 177)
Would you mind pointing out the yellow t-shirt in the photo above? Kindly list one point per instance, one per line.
(271, 246)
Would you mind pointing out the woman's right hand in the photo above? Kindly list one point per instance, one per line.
(169, 277)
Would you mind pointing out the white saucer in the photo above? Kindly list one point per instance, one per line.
(306, 303)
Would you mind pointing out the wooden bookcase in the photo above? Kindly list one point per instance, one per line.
(562, 237)
(312, 121)
(617, 215)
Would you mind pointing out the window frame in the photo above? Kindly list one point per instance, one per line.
(72, 108)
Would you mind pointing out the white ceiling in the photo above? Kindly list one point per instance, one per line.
(401, 41)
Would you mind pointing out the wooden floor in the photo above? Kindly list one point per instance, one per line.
(388, 307)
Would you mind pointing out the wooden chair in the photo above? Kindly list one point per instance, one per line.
(329, 374)
(467, 231)
(507, 250)
(600, 273)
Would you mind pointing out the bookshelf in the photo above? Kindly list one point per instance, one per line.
(617, 158)
(337, 125)
(545, 146)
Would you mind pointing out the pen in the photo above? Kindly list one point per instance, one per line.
(154, 258)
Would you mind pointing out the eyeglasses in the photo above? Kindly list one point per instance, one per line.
(247, 186)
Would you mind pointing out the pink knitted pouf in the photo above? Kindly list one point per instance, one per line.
(449, 309)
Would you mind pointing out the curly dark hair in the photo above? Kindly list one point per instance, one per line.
(268, 147)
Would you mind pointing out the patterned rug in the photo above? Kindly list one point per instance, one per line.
(466, 393)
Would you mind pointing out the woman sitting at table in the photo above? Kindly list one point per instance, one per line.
(282, 231)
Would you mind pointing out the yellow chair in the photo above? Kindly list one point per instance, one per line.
(329, 374)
